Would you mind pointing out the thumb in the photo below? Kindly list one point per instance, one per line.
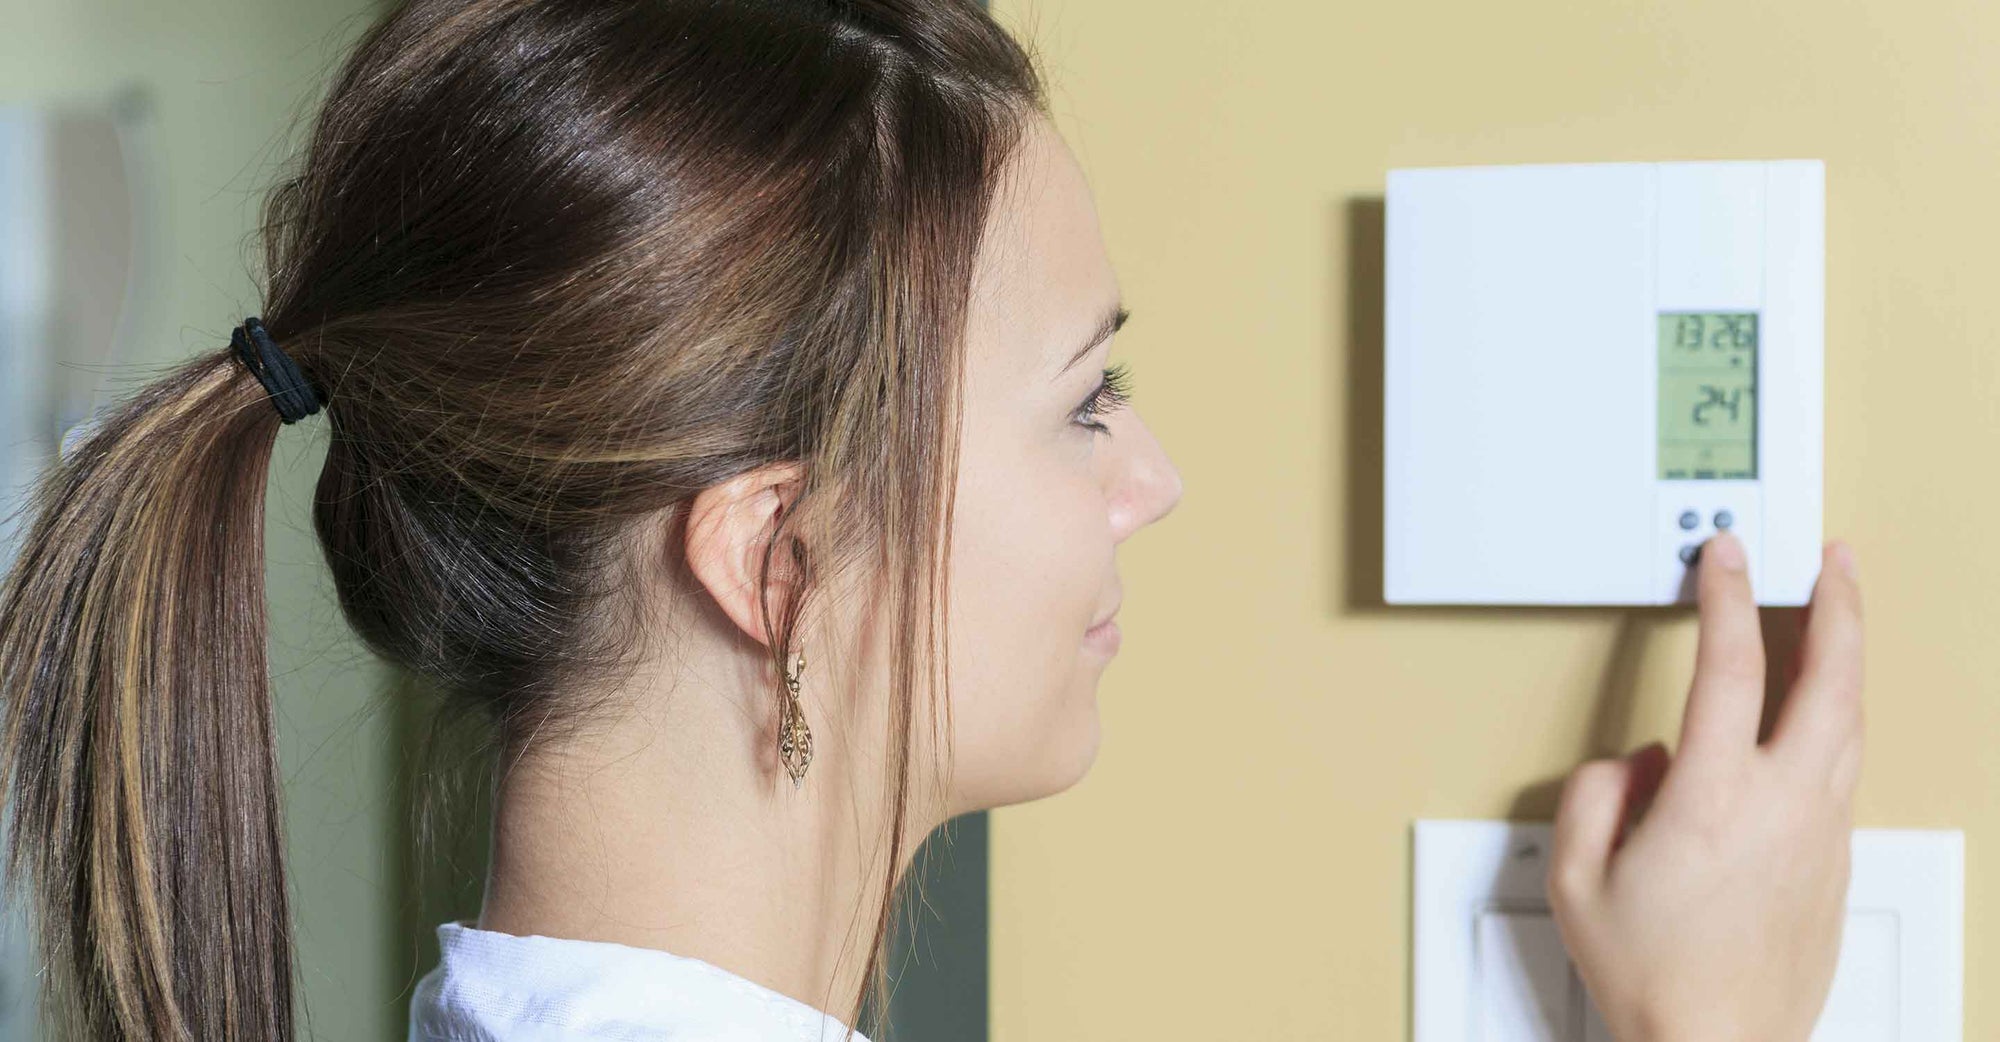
(1591, 817)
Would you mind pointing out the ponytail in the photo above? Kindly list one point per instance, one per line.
(138, 749)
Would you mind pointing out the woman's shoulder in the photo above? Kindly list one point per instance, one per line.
(499, 987)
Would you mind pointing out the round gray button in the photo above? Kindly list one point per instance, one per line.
(1723, 519)
(1690, 553)
(1689, 519)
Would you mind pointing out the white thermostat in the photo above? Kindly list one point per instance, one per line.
(1590, 368)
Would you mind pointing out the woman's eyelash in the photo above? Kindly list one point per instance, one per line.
(1112, 394)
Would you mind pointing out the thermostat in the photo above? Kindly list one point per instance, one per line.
(1591, 368)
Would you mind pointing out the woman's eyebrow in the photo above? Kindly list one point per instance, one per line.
(1112, 323)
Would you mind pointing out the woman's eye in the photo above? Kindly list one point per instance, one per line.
(1110, 395)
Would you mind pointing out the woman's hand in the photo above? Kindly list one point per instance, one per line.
(1716, 917)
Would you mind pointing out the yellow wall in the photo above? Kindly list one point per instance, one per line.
(1237, 864)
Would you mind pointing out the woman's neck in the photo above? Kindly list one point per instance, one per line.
(673, 827)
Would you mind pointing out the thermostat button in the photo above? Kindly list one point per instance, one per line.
(1690, 553)
(1723, 519)
(1689, 519)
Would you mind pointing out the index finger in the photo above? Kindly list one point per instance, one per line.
(1726, 699)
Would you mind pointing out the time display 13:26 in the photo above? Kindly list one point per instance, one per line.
(1708, 395)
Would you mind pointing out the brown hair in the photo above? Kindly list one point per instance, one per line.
(557, 265)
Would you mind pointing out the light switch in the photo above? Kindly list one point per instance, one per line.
(1862, 1004)
(1490, 965)
(1525, 985)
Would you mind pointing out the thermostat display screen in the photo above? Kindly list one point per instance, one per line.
(1708, 395)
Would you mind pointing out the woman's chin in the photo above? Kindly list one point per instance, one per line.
(1052, 768)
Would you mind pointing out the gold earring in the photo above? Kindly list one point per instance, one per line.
(795, 740)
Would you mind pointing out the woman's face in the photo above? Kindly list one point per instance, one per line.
(1043, 497)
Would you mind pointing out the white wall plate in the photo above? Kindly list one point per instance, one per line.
(1490, 965)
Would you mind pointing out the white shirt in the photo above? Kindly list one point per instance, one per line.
(497, 987)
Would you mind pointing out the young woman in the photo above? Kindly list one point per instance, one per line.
(718, 405)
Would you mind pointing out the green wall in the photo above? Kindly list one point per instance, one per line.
(224, 81)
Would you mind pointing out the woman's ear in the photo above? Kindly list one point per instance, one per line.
(728, 527)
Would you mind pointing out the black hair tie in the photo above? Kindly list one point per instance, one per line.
(293, 394)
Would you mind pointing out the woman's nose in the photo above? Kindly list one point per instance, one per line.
(1148, 484)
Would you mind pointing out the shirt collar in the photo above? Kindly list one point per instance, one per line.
(490, 985)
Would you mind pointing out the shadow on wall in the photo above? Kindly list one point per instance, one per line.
(1362, 223)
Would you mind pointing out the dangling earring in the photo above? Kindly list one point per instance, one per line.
(795, 740)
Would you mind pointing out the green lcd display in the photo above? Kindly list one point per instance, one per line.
(1708, 394)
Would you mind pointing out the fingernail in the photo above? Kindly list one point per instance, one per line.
(1726, 551)
(1843, 555)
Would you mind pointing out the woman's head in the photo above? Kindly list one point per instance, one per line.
(618, 308)
(1053, 471)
